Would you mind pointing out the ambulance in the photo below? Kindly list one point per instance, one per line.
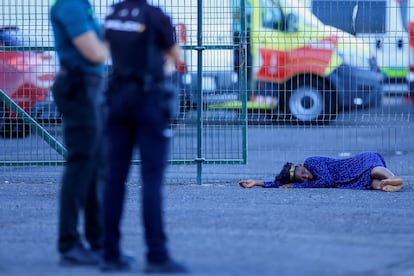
(302, 70)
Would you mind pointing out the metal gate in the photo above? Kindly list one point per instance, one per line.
(202, 135)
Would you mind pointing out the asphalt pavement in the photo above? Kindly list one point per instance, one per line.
(219, 228)
(222, 229)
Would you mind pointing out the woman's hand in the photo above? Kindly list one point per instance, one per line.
(249, 183)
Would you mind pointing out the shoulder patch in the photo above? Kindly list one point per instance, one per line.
(135, 12)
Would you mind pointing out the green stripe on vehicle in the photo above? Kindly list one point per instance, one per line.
(395, 72)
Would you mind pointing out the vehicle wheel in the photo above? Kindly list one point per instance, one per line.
(311, 101)
(2, 119)
(13, 129)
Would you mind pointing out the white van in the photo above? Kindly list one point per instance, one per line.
(380, 23)
(304, 71)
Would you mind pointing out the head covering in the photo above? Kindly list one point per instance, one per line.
(287, 174)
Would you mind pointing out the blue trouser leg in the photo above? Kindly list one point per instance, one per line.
(119, 146)
(93, 208)
(82, 128)
(77, 186)
(135, 119)
(153, 149)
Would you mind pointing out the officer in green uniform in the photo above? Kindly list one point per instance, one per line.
(78, 90)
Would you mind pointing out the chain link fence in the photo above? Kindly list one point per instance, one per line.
(264, 82)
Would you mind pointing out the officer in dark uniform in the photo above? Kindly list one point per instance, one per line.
(141, 40)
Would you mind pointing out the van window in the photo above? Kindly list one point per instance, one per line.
(304, 14)
(271, 14)
(370, 15)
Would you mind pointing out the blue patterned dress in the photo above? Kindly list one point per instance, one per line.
(349, 173)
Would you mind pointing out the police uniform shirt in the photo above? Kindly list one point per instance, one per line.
(69, 19)
(128, 24)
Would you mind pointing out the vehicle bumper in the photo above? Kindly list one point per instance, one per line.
(410, 81)
(216, 87)
(45, 112)
(357, 87)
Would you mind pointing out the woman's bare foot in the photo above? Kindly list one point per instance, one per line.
(391, 184)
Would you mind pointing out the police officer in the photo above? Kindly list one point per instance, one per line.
(78, 93)
(140, 39)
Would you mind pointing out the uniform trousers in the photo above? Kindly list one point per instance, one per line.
(81, 188)
(135, 120)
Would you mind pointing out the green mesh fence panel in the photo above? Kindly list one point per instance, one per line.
(264, 82)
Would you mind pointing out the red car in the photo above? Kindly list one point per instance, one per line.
(25, 77)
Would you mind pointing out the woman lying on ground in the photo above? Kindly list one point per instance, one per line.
(363, 171)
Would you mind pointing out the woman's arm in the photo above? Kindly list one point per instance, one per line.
(250, 183)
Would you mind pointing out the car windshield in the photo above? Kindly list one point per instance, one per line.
(304, 14)
(12, 37)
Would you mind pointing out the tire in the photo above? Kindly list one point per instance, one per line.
(2, 119)
(11, 128)
(14, 129)
(311, 101)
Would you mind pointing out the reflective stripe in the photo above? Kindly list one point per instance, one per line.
(127, 26)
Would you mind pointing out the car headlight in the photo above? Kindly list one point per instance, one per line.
(186, 79)
(234, 77)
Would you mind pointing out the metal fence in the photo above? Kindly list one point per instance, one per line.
(264, 82)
